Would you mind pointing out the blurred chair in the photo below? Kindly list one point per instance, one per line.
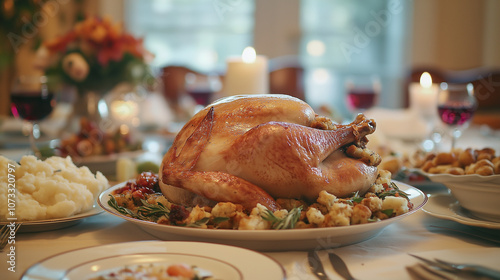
(286, 76)
(173, 78)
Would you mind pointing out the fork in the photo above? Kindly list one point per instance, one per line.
(5, 233)
(465, 268)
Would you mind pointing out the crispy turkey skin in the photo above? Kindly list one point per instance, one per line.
(254, 148)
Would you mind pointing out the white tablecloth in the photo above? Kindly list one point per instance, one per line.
(384, 256)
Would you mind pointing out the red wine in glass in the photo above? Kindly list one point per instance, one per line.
(31, 101)
(31, 106)
(456, 106)
(201, 96)
(361, 98)
(456, 114)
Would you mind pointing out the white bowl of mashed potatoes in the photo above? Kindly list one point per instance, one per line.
(46, 189)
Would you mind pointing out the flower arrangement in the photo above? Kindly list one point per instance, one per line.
(95, 55)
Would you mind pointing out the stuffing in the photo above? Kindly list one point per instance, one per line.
(376, 188)
(253, 222)
(258, 210)
(281, 213)
(360, 214)
(384, 177)
(339, 215)
(327, 199)
(327, 211)
(398, 204)
(364, 154)
(50, 189)
(197, 214)
(314, 216)
(226, 209)
(373, 203)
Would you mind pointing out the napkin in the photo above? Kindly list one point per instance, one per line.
(399, 123)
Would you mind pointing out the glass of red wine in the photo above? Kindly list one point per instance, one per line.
(31, 101)
(202, 87)
(362, 93)
(456, 106)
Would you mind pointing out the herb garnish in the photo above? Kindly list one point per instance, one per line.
(153, 210)
(393, 192)
(122, 210)
(287, 222)
(146, 212)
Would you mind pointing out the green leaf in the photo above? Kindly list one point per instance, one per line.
(287, 222)
(393, 192)
(153, 210)
(218, 220)
(388, 212)
(122, 210)
(197, 224)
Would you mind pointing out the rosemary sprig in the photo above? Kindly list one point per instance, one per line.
(122, 210)
(153, 210)
(393, 192)
(355, 198)
(218, 220)
(197, 224)
(287, 222)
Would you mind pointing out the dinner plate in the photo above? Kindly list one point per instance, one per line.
(223, 261)
(272, 240)
(445, 206)
(53, 224)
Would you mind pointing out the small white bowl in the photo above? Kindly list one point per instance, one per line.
(478, 194)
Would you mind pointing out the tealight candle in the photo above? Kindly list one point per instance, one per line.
(423, 96)
(247, 74)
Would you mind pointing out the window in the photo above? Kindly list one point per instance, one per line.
(342, 38)
(339, 38)
(198, 34)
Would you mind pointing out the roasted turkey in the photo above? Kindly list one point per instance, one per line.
(256, 148)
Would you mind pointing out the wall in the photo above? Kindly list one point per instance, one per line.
(456, 35)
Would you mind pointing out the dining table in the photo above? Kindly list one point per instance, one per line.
(385, 255)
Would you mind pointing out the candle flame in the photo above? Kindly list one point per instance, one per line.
(248, 55)
(426, 80)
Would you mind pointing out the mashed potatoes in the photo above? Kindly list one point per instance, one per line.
(50, 189)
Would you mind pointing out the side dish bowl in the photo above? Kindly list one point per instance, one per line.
(478, 194)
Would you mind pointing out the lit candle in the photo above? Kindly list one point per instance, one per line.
(423, 96)
(247, 74)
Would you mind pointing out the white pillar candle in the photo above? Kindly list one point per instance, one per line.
(423, 97)
(247, 74)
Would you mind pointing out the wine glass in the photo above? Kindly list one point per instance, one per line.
(202, 87)
(31, 101)
(456, 105)
(362, 93)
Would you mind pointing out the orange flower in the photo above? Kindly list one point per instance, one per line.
(60, 44)
(98, 41)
